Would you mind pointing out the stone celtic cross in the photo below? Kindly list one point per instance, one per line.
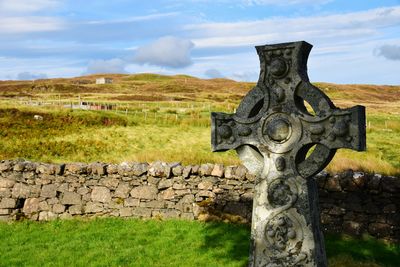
(285, 143)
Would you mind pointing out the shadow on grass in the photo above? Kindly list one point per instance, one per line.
(366, 249)
(227, 242)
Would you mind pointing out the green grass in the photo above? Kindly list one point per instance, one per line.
(118, 242)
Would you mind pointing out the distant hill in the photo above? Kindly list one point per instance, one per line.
(155, 87)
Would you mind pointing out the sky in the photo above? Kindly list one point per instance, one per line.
(354, 41)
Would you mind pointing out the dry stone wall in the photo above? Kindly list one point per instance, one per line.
(350, 202)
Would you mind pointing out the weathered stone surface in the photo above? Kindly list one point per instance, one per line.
(7, 203)
(31, 205)
(206, 169)
(186, 171)
(6, 166)
(47, 216)
(144, 192)
(159, 169)
(272, 131)
(126, 212)
(70, 198)
(332, 184)
(93, 207)
(379, 229)
(166, 214)
(76, 168)
(20, 190)
(75, 209)
(46, 169)
(58, 208)
(165, 183)
(131, 202)
(49, 191)
(122, 190)
(101, 194)
(6, 183)
(5, 192)
(98, 168)
(205, 185)
(177, 170)
(168, 194)
(218, 170)
(141, 212)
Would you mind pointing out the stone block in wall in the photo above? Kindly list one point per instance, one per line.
(155, 204)
(141, 212)
(58, 208)
(379, 229)
(390, 184)
(230, 172)
(332, 184)
(139, 169)
(195, 169)
(76, 168)
(7, 203)
(205, 185)
(47, 216)
(165, 183)
(131, 202)
(4, 212)
(19, 166)
(359, 179)
(159, 169)
(70, 198)
(167, 194)
(177, 170)
(98, 168)
(179, 186)
(391, 208)
(31, 205)
(144, 192)
(126, 212)
(182, 192)
(187, 216)
(352, 228)
(205, 193)
(48, 169)
(49, 191)
(122, 190)
(75, 209)
(187, 170)
(20, 191)
(5, 192)
(6, 183)
(206, 169)
(374, 182)
(101, 194)
(43, 205)
(112, 169)
(110, 182)
(6, 165)
(218, 170)
(240, 172)
(93, 207)
(166, 213)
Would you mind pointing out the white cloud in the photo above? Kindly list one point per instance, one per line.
(391, 52)
(26, 6)
(16, 25)
(286, 2)
(329, 28)
(114, 65)
(167, 51)
(27, 76)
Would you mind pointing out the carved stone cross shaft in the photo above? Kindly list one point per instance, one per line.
(285, 144)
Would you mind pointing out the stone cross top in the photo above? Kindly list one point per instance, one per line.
(285, 143)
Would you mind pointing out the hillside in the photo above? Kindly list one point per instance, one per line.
(183, 88)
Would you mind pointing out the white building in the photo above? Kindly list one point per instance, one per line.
(104, 80)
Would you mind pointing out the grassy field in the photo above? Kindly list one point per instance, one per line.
(118, 242)
(164, 118)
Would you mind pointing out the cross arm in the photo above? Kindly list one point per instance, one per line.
(227, 133)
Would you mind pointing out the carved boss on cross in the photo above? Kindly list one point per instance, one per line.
(273, 132)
